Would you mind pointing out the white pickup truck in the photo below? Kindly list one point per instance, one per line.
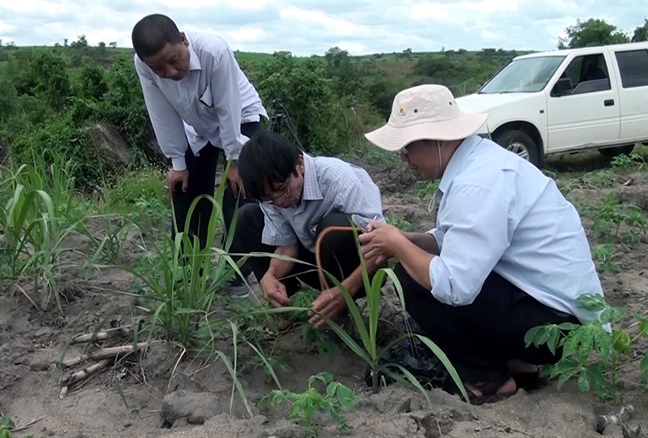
(567, 101)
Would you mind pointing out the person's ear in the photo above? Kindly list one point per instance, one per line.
(185, 41)
(300, 164)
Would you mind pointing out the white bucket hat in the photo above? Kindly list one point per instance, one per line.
(425, 112)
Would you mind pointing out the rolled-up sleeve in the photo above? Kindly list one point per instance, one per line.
(277, 230)
(438, 236)
(167, 123)
(476, 233)
(357, 198)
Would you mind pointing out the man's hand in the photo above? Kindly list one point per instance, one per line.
(175, 177)
(274, 291)
(235, 181)
(330, 303)
(379, 241)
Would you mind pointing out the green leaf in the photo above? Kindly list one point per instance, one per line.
(644, 366)
(643, 324)
(532, 335)
(583, 383)
(612, 314)
(6, 423)
(621, 341)
(337, 416)
(565, 370)
(554, 339)
(592, 302)
(345, 396)
(331, 388)
(309, 410)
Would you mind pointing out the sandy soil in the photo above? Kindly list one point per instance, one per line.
(128, 400)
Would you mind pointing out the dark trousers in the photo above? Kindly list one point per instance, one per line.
(202, 180)
(480, 338)
(339, 254)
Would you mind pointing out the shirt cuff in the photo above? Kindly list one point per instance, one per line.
(440, 281)
(179, 163)
(234, 155)
(278, 241)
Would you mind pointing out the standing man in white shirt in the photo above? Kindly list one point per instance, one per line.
(199, 101)
(509, 252)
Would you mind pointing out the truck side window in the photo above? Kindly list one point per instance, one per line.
(633, 66)
(584, 74)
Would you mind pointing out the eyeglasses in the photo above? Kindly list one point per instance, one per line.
(274, 198)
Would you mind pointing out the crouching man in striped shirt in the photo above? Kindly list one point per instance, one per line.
(301, 196)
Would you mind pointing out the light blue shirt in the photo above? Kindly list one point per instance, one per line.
(330, 185)
(498, 212)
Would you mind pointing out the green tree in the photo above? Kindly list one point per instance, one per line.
(93, 84)
(641, 32)
(593, 32)
(308, 92)
(48, 71)
(345, 74)
(81, 43)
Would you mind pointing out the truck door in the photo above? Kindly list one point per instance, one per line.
(583, 104)
(633, 93)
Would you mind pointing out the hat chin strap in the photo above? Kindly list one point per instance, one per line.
(441, 170)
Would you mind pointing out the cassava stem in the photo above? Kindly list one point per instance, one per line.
(77, 376)
(103, 354)
(603, 421)
(100, 336)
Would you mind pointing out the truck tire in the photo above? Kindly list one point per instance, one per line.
(614, 152)
(521, 144)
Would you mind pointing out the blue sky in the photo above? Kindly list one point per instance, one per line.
(312, 27)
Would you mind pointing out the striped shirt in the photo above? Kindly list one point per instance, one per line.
(330, 185)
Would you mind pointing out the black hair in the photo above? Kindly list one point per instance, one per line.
(267, 158)
(152, 33)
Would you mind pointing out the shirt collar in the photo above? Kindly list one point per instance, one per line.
(457, 161)
(194, 60)
(311, 191)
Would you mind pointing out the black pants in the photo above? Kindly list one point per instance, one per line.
(480, 338)
(339, 254)
(202, 180)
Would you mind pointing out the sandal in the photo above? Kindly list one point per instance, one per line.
(489, 393)
(531, 381)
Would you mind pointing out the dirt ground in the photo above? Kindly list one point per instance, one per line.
(128, 400)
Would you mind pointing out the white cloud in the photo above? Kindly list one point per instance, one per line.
(307, 27)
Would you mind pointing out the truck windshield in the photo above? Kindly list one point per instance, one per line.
(527, 75)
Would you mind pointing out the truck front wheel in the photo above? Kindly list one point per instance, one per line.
(520, 143)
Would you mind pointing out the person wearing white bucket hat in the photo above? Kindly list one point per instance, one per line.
(508, 253)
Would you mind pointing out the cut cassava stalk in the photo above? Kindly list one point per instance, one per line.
(603, 421)
(77, 376)
(103, 354)
(100, 336)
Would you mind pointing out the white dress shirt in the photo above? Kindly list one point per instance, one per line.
(209, 104)
(498, 212)
(330, 185)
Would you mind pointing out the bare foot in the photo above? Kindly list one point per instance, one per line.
(517, 366)
(508, 388)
